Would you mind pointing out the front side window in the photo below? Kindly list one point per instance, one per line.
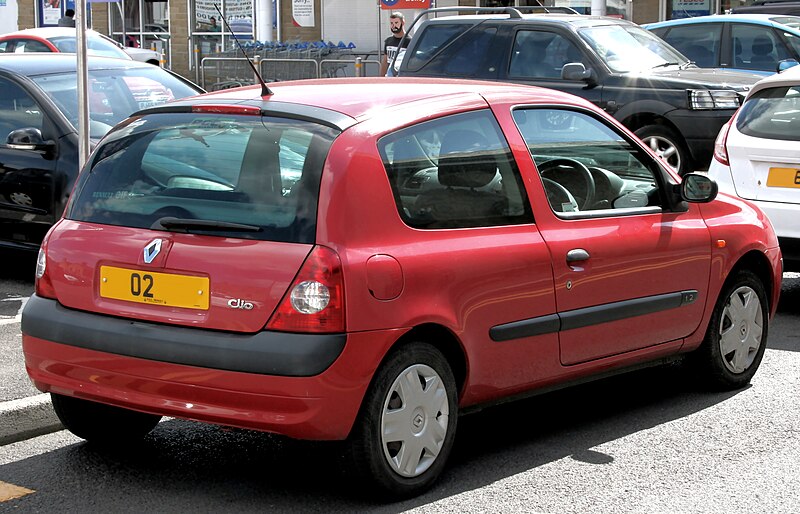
(541, 54)
(225, 175)
(699, 42)
(585, 165)
(455, 172)
(113, 94)
(772, 113)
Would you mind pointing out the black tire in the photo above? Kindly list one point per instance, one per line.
(376, 460)
(737, 334)
(668, 145)
(100, 423)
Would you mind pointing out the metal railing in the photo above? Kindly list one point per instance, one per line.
(217, 73)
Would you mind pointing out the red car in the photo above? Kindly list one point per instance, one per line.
(364, 259)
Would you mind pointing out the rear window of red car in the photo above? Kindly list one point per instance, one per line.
(227, 175)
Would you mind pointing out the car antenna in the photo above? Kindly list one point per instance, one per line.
(265, 90)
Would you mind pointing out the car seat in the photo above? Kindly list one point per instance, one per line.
(466, 167)
(762, 49)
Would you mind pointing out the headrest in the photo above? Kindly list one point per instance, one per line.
(762, 45)
(465, 160)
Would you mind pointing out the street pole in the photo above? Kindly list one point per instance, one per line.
(83, 83)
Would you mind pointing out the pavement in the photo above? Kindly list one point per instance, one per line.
(25, 412)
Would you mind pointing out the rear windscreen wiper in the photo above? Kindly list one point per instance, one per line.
(183, 224)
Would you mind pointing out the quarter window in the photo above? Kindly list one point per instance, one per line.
(585, 165)
(455, 172)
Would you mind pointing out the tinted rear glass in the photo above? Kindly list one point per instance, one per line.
(210, 167)
(772, 114)
(457, 49)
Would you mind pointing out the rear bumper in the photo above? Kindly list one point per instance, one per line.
(322, 406)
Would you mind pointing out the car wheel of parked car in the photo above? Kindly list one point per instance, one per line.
(100, 423)
(667, 145)
(737, 333)
(407, 424)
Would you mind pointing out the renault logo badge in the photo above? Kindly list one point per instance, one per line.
(151, 250)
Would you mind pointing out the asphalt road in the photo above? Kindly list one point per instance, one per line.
(651, 441)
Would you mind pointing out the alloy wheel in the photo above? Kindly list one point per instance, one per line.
(666, 150)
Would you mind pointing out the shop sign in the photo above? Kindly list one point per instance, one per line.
(405, 4)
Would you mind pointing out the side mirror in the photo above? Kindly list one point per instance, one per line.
(575, 71)
(698, 188)
(786, 64)
(28, 138)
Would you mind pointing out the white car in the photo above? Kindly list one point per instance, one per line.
(63, 39)
(757, 156)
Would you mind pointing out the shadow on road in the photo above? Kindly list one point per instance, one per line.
(188, 466)
(17, 266)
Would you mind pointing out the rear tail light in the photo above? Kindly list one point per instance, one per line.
(721, 144)
(44, 287)
(315, 300)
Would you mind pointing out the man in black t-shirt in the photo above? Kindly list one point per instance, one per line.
(394, 43)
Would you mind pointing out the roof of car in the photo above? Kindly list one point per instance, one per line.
(790, 77)
(359, 97)
(567, 19)
(758, 19)
(48, 32)
(40, 63)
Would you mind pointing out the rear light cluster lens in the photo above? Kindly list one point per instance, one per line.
(44, 287)
(315, 300)
(721, 144)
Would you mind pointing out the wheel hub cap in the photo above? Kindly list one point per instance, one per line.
(414, 420)
(741, 330)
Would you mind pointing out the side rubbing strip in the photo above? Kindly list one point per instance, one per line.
(596, 315)
(525, 328)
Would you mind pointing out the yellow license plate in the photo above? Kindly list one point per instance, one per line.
(783, 177)
(167, 289)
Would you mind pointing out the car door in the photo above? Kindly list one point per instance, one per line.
(757, 47)
(630, 271)
(26, 176)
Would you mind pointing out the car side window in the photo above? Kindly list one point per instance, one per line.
(541, 54)
(699, 42)
(17, 109)
(455, 172)
(757, 48)
(586, 165)
(794, 43)
(30, 45)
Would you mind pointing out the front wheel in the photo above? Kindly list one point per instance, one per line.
(667, 145)
(100, 423)
(407, 424)
(737, 333)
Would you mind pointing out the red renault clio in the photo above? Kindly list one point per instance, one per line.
(362, 259)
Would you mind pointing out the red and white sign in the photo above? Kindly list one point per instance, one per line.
(405, 4)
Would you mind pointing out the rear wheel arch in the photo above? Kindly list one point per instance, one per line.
(443, 340)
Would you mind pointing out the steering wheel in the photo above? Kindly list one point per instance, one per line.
(559, 196)
(553, 168)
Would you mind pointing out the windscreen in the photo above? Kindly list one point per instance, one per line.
(223, 175)
(114, 94)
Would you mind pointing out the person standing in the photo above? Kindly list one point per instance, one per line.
(394, 44)
(68, 20)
